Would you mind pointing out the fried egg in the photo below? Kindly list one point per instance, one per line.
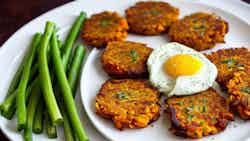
(176, 69)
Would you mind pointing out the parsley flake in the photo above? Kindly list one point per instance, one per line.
(230, 62)
(106, 21)
(134, 55)
(181, 103)
(204, 109)
(202, 123)
(190, 118)
(245, 89)
(204, 101)
(189, 109)
(240, 66)
(155, 12)
(121, 95)
(214, 120)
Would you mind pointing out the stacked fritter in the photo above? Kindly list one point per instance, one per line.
(130, 103)
(234, 76)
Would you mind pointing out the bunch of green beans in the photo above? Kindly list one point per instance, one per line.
(45, 84)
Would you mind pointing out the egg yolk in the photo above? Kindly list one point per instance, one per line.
(182, 65)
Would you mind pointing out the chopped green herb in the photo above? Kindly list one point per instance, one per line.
(151, 11)
(202, 123)
(190, 117)
(204, 109)
(204, 101)
(189, 109)
(214, 120)
(134, 55)
(121, 95)
(106, 21)
(199, 26)
(155, 12)
(181, 103)
(230, 62)
(204, 129)
(240, 66)
(245, 89)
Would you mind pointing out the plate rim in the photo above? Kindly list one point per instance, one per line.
(94, 50)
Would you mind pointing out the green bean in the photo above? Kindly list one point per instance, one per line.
(8, 107)
(9, 115)
(21, 90)
(75, 67)
(72, 36)
(74, 70)
(31, 110)
(38, 119)
(46, 85)
(69, 135)
(60, 43)
(33, 72)
(50, 128)
(68, 132)
(16, 78)
(66, 91)
(73, 75)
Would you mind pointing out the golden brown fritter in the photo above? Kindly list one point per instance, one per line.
(125, 59)
(151, 17)
(104, 27)
(198, 115)
(199, 31)
(229, 61)
(239, 93)
(130, 103)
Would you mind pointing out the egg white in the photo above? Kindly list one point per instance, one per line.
(182, 85)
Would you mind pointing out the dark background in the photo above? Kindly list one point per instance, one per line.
(15, 13)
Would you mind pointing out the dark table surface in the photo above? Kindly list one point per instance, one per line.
(15, 13)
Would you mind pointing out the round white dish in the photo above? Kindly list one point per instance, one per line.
(93, 77)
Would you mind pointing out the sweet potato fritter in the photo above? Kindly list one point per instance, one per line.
(130, 103)
(198, 115)
(239, 93)
(229, 61)
(151, 17)
(200, 31)
(104, 27)
(125, 59)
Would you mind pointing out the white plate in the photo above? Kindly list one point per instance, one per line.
(14, 48)
(94, 76)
